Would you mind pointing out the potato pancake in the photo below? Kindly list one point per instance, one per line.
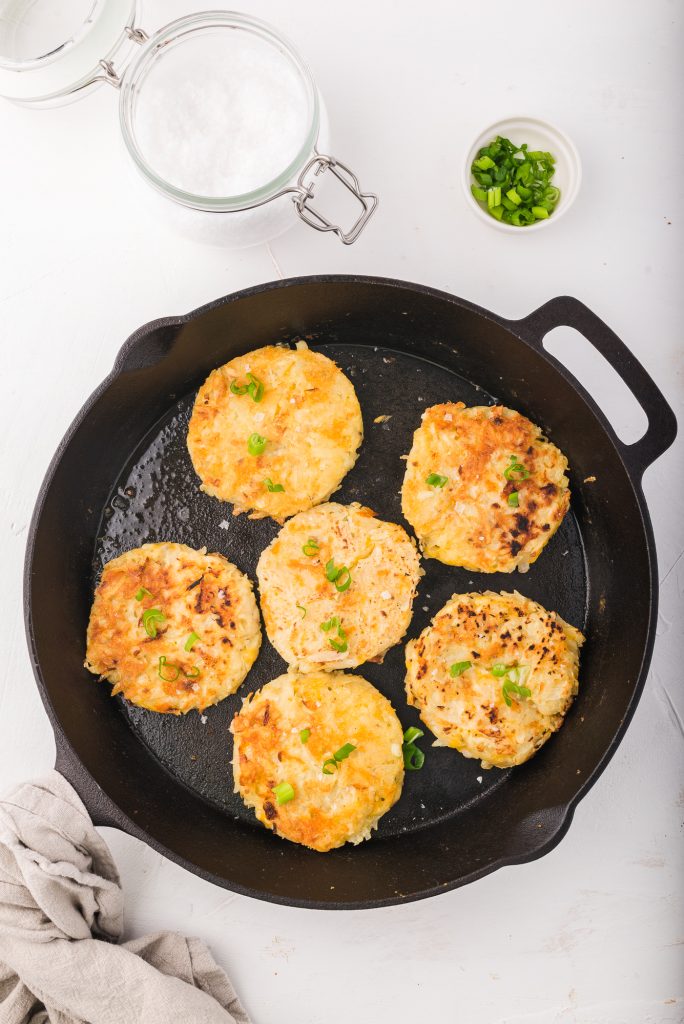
(275, 431)
(493, 675)
(484, 489)
(337, 587)
(318, 757)
(173, 628)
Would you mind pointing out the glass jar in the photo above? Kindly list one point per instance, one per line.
(218, 112)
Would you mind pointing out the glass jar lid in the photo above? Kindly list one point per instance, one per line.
(50, 49)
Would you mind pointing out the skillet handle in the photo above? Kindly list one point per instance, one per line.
(98, 805)
(662, 424)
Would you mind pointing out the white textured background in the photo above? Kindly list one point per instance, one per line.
(592, 933)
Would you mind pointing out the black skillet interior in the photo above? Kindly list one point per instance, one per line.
(123, 477)
(157, 498)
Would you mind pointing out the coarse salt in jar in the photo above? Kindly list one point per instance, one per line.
(218, 112)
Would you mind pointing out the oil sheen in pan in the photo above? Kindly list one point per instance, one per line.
(157, 498)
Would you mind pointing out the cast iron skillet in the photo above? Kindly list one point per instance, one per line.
(122, 477)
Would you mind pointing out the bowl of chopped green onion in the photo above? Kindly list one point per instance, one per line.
(521, 172)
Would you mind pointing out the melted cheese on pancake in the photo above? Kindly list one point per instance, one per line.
(328, 711)
(469, 521)
(193, 592)
(468, 710)
(308, 414)
(298, 599)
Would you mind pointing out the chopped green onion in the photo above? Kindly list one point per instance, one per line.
(493, 196)
(284, 792)
(311, 548)
(254, 387)
(513, 499)
(521, 217)
(414, 758)
(513, 183)
(343, 580)
(332, 763)
(514, 681)
(344, 752)
(273, 487)
(304, 735)
(302, 609)
(341, 576)
(435, 480)
(510, 687)
(338, 645)
(256, 444)
(191, 641)
(150, 618)
(460, 667)
(524, 174)
(516, 470)
(166, 666)
(142, 593)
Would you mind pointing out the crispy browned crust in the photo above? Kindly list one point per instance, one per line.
(469, 711)
(309, 414)
(196, 592)
(297, 597)
(327, 810)
(468, 521)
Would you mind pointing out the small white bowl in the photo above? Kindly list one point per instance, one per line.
(537, 134)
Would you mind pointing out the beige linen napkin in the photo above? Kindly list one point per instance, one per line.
(61, 918)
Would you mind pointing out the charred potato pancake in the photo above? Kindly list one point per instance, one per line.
(318, 757)
(493, 676)
(172, 628)
(484, 489)
(337, 587)
(275, 431)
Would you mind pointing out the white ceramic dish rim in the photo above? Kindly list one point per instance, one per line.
(498, 127)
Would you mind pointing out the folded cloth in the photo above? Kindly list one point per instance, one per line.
(61, 918)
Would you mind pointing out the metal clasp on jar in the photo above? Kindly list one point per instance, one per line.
(305, 191)
(111, 75)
